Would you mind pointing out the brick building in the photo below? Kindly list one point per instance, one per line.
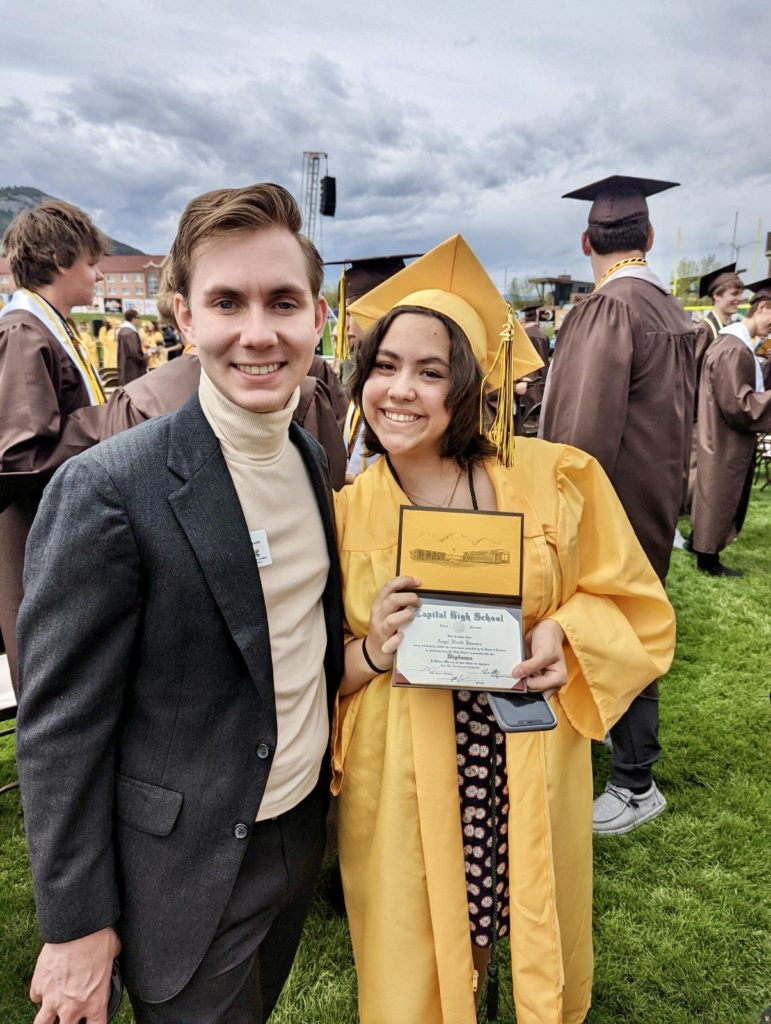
(130, 282)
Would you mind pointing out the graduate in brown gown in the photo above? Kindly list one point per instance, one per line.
(133, 360)
(530, 389)
(355, 281)
(324, 371)
(725, 288)
(621, 387)
(734, 408)
(45, 374)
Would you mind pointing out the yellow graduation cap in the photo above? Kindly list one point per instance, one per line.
(450, 280)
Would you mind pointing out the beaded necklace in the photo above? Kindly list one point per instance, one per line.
(633, 261)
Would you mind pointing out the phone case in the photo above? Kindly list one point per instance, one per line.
(518, 726)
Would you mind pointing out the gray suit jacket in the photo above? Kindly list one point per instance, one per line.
(147, 722)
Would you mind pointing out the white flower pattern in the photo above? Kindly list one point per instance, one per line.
(474, 720)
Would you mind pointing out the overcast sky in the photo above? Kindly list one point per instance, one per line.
(459, 115)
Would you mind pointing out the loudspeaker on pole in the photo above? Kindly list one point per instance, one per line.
(328, 196)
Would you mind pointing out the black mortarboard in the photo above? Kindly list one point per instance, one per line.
(761, 291)
(619, 198)
(529, 310)
(356, 280)
(361, 276)
(715, 279)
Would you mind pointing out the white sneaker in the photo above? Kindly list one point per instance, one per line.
(619, 810)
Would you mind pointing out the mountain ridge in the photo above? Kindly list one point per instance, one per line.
(15, 198)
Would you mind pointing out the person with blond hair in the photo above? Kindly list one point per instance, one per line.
(46, 373)
(193, 826)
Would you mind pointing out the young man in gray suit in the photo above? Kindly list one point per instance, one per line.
(181, 644)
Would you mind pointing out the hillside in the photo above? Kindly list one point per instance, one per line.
(14, 198)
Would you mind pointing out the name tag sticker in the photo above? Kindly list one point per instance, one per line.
(259, 539)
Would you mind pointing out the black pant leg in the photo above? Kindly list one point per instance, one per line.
(636, 741)
(277, 950)
(239, 982)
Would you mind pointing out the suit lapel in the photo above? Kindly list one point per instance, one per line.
(207, 508)
(332, 598)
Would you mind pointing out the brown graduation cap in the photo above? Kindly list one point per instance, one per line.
(761, 291)
(361, 276)
(619, 198)
(715, 279)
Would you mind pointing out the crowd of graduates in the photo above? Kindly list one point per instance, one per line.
(99, 339)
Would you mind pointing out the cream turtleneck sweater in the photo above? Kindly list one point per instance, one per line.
(287, 534)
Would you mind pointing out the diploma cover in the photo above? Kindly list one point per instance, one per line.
(467, 633)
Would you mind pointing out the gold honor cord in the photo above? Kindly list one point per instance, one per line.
(73, 348)
(632, 262)
(341, 334)
(714, 324)
(355, 417)
(86, 363)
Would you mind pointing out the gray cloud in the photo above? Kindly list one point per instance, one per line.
(443, 127)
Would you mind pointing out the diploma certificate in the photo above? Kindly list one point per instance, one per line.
(461, 645)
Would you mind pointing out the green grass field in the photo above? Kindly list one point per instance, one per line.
(682, 917)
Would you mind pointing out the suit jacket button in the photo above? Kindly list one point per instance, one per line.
(263, 751)
(241, 831)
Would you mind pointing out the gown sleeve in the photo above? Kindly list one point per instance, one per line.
(31, 439)
(619, 624)
(361, 580)
(733, 384)
(321, 421)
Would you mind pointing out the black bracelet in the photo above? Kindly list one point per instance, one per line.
(369, 660)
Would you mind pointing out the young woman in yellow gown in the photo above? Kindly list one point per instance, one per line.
(598, 628)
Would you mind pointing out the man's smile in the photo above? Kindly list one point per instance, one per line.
(258, 369)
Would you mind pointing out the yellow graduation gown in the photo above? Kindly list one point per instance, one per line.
(109, 347)
(88, 341)
(394, 753)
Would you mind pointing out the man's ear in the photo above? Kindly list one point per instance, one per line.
(649, 240)
(184, 318)
(586, 248)
(321, 315)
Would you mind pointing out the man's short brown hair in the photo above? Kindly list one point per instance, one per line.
(131, 315)
(629, 236)
(237, 209)
(44, 238)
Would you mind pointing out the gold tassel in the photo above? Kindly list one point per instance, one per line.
(502, 431)
(341, 334)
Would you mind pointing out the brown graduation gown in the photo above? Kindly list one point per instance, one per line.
(536, 378)
(731, 414)
(170, 385)
(132, 358)
(323, 370)
(621, 388)
(707, 331)
(39, 390)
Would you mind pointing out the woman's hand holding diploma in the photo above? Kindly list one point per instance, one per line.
(393, 608)
(544, 669)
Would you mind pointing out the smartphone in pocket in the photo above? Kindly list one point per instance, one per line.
(522, 712)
